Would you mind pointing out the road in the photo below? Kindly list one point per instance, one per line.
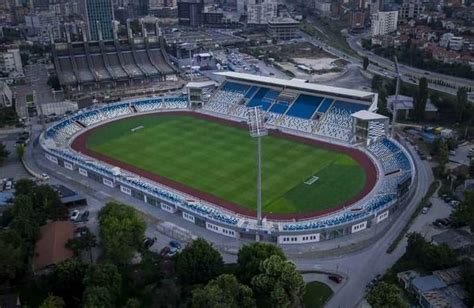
(361, 267)
(409, 72)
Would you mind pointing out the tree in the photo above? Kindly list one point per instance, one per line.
(377, 83)
(24, 187)
(20, 150)
(365, 63)
(68, 279)
(3, 153)
(464, 213)
(52, 302)
(441, 151)
(121, 232)
(97, 297)
(425, 255)
(462, 104)
(53, 82)
(85, 242)
(251, 256)
(279, 284)
(468, 279)
(47, 201)
(385, 295)
(104, 275)
(12, 255)
(25, 219)
(224, 291)
(198, 263)
(420, 99)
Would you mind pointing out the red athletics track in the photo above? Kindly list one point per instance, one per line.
(79, 145)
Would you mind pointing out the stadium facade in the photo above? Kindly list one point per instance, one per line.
(336, 116)
(106, 63)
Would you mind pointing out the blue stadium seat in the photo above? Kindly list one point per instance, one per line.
(304, 106)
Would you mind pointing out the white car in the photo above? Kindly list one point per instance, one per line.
(75, 215)
(45, 176)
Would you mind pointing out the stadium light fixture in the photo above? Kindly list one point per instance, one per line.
(257, 129)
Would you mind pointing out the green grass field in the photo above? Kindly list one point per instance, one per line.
(220, 160)
(317, 294)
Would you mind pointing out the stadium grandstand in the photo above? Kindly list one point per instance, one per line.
(294, 107)
(110, 63)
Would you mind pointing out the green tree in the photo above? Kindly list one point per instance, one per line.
(468, 279)
(133, 303)
(365, 63)
(121, 232)
(224, 291)
(464, 213)
(441, 151)
(421, 99)
(47, 201)
(3, 153)
(104, 275)
(24, 187)
(428, 256)
(251, 256)
(53, 82)
(377, 83)
(20, 150)
(198, 263)
(97, 297)
(279, 284)
(85, 242)
(385, 295)
(462, 104)
(68, 279)
(25, 219)
(52, 302)
(12, 255)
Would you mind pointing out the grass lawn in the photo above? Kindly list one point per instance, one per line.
(317, 294)
(220, 160)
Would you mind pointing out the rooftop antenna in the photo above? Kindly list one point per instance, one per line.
(397, 90)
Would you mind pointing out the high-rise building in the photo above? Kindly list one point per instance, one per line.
(99, 13)
(10, 61)
(190, 12)
(384, 22)
(261, 11)
(410, 9)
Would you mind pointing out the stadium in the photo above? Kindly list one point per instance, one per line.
(329, 166)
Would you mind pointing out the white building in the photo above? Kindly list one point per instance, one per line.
(323, 6)
(10, 62)
(261, 11)
(456, 43)
(384, 22)
(6, 95)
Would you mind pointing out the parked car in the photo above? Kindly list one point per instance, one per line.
(175, 244)
(85, 216)
(45, 176)
(425, 210)
(173, 251)
(335, 278)
(148, 242)
(164, 252)
(75, 215)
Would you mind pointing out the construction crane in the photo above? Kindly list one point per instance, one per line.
(395, 103)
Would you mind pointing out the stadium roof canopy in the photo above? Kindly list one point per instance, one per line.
(201, 84)
(301, 85)
(368, 116)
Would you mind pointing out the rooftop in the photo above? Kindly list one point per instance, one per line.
(406, 103)
(454, 238)
(50, 248)
(427, 283)
(303, 85)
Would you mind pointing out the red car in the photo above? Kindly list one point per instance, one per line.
(165, 251)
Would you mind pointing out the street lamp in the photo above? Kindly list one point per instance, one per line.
(257, 129)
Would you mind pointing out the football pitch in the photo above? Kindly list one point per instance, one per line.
(220, 160)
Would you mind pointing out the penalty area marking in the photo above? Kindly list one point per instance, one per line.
(311, 180)
(137, 128)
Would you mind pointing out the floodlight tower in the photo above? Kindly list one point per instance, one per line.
(397, 90)
(257, 130)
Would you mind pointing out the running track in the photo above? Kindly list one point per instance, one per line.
(79, 145)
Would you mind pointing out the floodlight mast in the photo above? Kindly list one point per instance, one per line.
(257, 129)
(395, 105)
